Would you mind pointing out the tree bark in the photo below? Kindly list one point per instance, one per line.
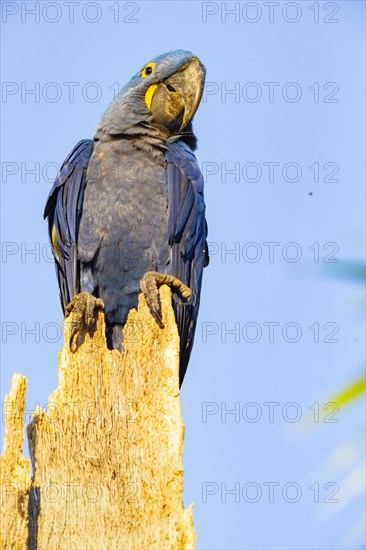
(107, 452)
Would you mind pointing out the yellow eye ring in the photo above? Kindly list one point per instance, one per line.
(148, 70)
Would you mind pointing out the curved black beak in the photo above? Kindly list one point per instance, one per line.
(177, 98)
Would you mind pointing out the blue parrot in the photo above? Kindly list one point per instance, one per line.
(126, 212)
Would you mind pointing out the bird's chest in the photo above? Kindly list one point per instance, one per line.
(126, 194)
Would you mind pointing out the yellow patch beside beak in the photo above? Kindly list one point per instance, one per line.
(149, 95)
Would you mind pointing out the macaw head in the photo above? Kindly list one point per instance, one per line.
(163, 95)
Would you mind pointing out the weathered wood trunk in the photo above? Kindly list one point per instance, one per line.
(107, 452)
(14, 471)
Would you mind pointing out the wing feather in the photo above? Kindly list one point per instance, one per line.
(187, 237)
(63, 210)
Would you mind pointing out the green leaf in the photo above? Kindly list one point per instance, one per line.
(351, 393)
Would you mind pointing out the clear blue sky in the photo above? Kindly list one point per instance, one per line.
(292, 130)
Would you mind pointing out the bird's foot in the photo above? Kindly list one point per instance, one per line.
(150, 284)
(84, 308)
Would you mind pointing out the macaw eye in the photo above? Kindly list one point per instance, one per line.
(148, 70)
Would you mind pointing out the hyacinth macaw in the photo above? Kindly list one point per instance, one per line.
(126, 212)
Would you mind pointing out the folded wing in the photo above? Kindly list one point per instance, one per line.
(63, 210)
(187, 237)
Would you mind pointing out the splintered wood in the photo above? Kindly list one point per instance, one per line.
(107, 451)
(15, 476)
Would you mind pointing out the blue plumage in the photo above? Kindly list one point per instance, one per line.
(109, 224)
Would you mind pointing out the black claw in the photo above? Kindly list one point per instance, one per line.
(150, 284)
(84, 309)
(159, 320)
